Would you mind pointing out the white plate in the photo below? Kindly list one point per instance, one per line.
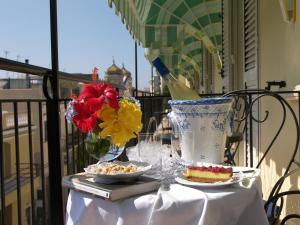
(247, 172)
(142, 167)
(236, 178)
(244, 169)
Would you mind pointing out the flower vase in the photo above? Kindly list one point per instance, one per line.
(96, 146)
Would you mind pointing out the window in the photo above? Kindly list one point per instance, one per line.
(8, 216)
(7, 160)
(233, 45)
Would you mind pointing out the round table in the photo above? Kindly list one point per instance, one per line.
(179, 205)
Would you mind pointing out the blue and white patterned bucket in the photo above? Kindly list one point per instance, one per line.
(202, 125)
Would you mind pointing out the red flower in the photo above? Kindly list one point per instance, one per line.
(89, 102)
(111, 97)
(98, 91)
(83, 118)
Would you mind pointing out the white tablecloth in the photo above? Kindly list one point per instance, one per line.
(180, 205)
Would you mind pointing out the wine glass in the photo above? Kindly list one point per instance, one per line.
(150, 151)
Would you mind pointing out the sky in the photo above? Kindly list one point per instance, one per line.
(89, 35)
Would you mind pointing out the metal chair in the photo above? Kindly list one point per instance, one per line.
(250, 97)
(271, 206)
(231, 147)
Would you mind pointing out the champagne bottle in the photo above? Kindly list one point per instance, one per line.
(178, 90)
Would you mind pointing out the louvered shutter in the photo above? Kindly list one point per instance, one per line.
(251, 72)
(239, 55)
(250, 44)
(226, 45)
(231, 45)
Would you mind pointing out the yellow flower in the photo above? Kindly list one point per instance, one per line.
(106, 113)
(122, 124)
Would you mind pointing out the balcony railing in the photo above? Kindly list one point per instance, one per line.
(10, 181)
(23, 156)
(30, 148)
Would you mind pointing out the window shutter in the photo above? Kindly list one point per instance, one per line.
(232, 45)
(250, 32)
(226, 45)
(251, 74)
(239, 55)
(250, 44)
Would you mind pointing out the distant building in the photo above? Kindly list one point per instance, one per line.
(20, 83)
(15, 89)
(35, 83)
(148, 89)
(155, 84)
(127, 82)
(29, 89)
(119, 77)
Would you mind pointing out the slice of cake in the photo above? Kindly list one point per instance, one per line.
(210, 174)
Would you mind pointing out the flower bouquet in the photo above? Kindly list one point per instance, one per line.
(107, 119)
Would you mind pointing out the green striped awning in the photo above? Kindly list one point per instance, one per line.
(186, 60)
(178, 29)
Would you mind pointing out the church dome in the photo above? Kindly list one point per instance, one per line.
(125, 72)
(114, 69)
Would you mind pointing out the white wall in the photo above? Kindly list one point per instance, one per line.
(279, 59)
(279, 45)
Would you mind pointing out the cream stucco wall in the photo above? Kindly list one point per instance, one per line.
(279, 45)
(279, 59)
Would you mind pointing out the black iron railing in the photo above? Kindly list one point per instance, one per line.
(10, 129)
(28, 117)
(23, 117)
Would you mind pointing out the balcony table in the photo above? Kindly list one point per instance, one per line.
(180, 205)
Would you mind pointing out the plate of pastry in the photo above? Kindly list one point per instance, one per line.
(117, 170)
(208, 176)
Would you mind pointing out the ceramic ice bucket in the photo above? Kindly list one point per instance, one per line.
(202, 126)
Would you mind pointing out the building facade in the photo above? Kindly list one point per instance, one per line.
(20, 144)
(121, 78)
(14, 144)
